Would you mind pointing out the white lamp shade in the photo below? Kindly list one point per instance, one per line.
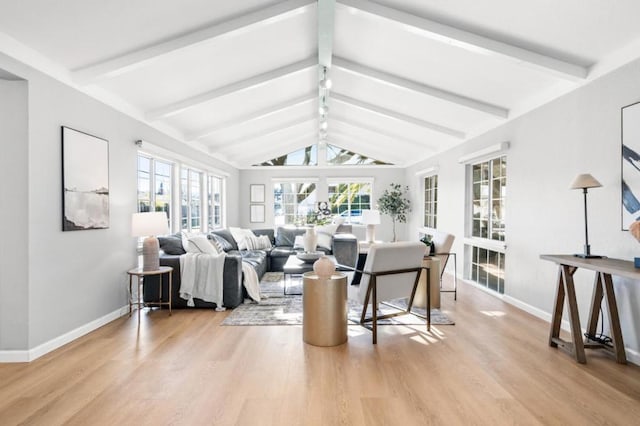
(150, 223)
(585, 181)
(371, 217)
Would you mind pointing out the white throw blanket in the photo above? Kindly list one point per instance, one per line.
(250, 281)
(201, 277)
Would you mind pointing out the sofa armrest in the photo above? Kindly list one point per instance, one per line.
(232, 281)
(345, 249)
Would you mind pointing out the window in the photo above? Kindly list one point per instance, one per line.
(190, 199)
(489, 190)
(154, 185)
(488, 196)
(214, 202)
(349, 198)
(430, 201)
(293, 201)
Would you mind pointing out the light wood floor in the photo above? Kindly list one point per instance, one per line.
(493, 367)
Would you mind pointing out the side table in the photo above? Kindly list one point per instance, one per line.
(139, 275)
(324, 309)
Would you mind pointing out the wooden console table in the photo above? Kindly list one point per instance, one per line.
(603, 287)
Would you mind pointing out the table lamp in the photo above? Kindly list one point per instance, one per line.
(585, 181)
(149, 225)
(371, 218)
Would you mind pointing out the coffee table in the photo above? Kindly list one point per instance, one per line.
(296, 267)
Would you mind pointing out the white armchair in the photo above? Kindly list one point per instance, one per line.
(391, 271)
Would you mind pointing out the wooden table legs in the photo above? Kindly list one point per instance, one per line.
(576, 346)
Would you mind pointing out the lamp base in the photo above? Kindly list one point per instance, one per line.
(371, 233)
(589, 256)
(150, 254)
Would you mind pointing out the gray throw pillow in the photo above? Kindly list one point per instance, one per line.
(221, 241)
(171, 245)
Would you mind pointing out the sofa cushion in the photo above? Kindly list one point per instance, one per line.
(171, 244)
(286, 236)
(224, 237)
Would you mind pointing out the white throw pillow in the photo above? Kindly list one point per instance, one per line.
(240, 235)
(325, 235)
(298, 242)
(197, 244)
(254, 242)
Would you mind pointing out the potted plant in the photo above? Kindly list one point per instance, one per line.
(394, 203)
(428, 241)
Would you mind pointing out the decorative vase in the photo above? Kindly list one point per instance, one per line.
(324, 267)
(310, 240)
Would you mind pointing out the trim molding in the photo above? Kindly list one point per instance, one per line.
(56, 342)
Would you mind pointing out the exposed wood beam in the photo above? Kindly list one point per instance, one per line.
(380, 133)
(265, 134)
(243, 23)
(254, 116)
(403, 83)
(469, 41)
(397, 116)
(238, 86)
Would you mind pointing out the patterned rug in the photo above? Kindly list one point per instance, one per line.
(278, 309)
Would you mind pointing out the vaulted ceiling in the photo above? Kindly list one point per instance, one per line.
(240, 79)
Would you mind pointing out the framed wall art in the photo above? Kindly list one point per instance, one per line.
(85, 181)
(256, 213)
(630, 180)
(257, 193)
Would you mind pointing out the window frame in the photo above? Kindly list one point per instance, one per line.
(296, 218)
(152, 180)
(430, 206)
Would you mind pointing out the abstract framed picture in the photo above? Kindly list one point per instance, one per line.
(85, 181)
(630, 181)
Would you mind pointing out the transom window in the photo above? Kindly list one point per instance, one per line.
(430, 201)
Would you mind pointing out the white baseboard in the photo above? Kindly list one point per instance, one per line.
(55, 343)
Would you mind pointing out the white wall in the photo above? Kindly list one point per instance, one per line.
(578, 133)
(75, 278)
(14, 292)
(382, 176)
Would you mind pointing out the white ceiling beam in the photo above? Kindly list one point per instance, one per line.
(238, 86)
(265, 134)
(402, 83)
(469, 41)
(326, 13)
(379, 133)
(398, 116)
(240, 24)
(254, 116)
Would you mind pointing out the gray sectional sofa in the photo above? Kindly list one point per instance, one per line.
(344, 246)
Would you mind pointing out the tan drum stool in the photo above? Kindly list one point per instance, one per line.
(324, 309)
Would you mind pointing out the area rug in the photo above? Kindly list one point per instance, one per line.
(278, 309)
